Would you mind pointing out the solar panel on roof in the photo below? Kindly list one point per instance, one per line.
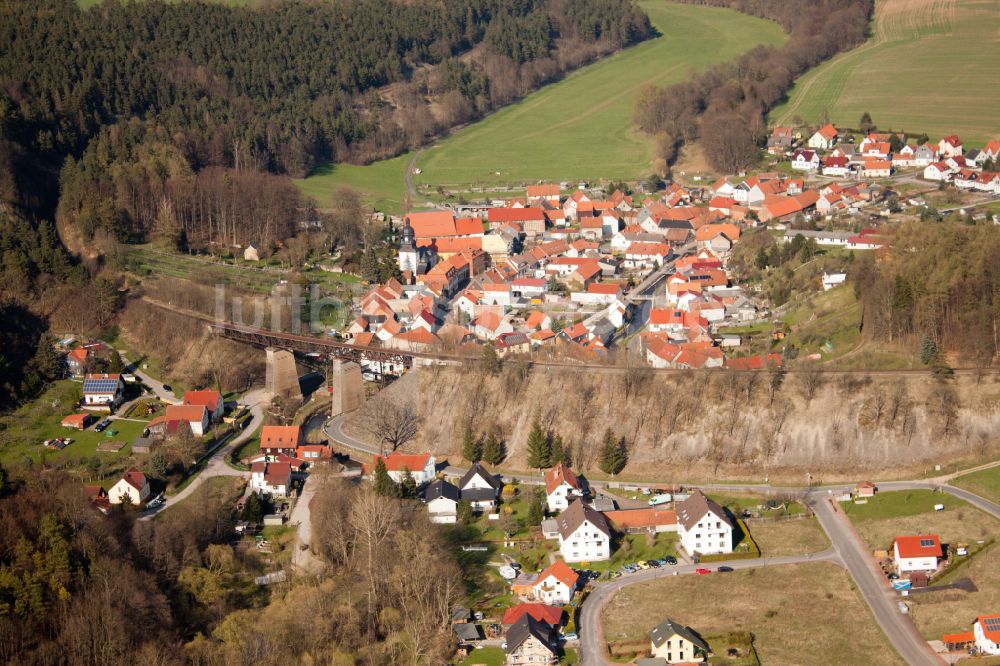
(927, 542)
(100, 385)
(992, 623)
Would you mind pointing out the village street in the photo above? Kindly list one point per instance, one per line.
(848, 550)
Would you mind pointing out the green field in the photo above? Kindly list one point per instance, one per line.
(985, 482)
(580, 127)
(382, 182)
(926, 68)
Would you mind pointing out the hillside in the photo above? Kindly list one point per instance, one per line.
(703, 425)
(580, 127)
(915, 72)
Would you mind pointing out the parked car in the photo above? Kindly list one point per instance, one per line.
(671, 560)
(643, 564)
(571, 636)
(701, 571)
(654, 564)
(102, 425)
(166, 387)
(724, 569)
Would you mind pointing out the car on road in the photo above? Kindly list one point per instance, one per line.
(702, 571)
(571, 636)
(166, 387)
(670, 559)
(725, 569)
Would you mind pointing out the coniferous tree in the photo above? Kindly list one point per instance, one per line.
(539, 447)
(560, 453)
(536, 507)
(253, 509)
(866, 124)
(472, 448)
(491, 362)
(384, 485)
(613, 454)
(407, 485)
(493, 452)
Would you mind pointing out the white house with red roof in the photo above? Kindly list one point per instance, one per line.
(950, 146)
(824, 138)
(556, 585)
(805, 160)
(562, 486)
(938, 171)
(276, 439)
(917, 553)
(986, 630)
(132, 488)
(196, 416)
(422, 466)
(103, 390)
(271, 478)
(209, 399)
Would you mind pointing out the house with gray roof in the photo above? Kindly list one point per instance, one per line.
(531, 642)
(480, 488)
(703, 526)
(676, 644)
(584, 534)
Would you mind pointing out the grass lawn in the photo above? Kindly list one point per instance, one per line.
(146, 260)
(581, 127)
(915, 45)
(634, 548)
(984, 482)
(831, 316)
(800, 536)
(890, 514)
(799, 614)
(487, 656)
(22, 431)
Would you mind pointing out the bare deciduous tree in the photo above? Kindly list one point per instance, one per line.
(391, 420)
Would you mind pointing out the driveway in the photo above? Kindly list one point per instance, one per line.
(216, 461)
(155, 384)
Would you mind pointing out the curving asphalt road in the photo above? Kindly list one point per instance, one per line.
(848, 550)
(216, 462)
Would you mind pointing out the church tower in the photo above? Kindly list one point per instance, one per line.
(408, 256)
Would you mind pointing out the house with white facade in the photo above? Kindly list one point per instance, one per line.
(676, 644)
(531, 642)
(703, 526)
(480, 488)
(917, 553)
(132, 488)
(584, 535)
(824, 138)
(271, 478)
(103, 390)
(805, 160)
(422, 466)
(442, 498)
(986, 630)
(561, 487)
(556, 584)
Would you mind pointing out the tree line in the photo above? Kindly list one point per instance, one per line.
(724, 107)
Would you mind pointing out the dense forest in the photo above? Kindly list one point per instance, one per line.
(181, 122)
(939, 290)
(724, 107)
(78, 587)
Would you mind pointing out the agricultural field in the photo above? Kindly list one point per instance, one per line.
(798, 614)
(915, 73)
(580, 127)
(912, 512)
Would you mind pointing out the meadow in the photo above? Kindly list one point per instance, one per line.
(577, 128)
(798, 614)
(916, 73)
